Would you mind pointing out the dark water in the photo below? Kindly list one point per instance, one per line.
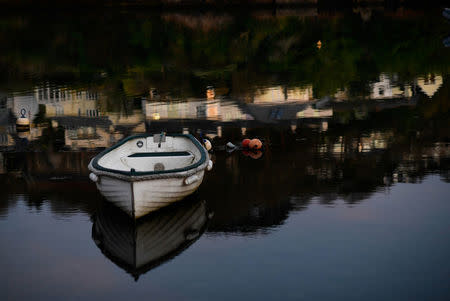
(349, 200)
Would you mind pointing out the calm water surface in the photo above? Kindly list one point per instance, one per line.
(349, 200)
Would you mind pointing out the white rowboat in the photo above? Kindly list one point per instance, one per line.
(143, 173)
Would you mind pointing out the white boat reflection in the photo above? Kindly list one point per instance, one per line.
(139, 246)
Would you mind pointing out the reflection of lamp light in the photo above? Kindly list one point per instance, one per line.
(293, 128)
(319, 44)
(153, 93)
(156, 116)
(210, 94)
(23, 134)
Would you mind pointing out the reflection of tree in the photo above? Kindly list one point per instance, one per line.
(131, 54)
(63, 197)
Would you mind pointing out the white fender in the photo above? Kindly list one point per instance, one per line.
(207, 144)
(230, 145)
(191, 179)
(93, 177)
(210, 165)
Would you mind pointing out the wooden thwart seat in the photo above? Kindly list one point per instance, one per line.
(161, 154)
(158, 161)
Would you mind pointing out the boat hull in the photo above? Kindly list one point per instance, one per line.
(138, 198)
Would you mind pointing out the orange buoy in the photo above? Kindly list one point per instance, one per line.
(256, 155)
(255, 144)
(245, 143)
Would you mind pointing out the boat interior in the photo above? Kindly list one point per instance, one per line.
(154, 153)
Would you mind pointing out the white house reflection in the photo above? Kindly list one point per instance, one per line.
(430, 84)
(87, 123)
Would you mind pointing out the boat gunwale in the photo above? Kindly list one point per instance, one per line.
(95, 165)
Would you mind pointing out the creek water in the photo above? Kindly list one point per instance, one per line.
(348, 200)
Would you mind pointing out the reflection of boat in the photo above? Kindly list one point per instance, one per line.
(143, 173)
(139, 246)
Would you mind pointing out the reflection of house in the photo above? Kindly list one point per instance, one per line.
(310, 112)
(77, 112)
(85, 132)
(386, 88)
(6, 140)
(13, 107)
(57, 101)
(134, 121)
(194, 114)
(26, 104)
(283, 94)
(215, 110)
(262, 110)
(429, 158)
(62, 101)
(74, 111)
(430, 84)
(374, 141)
(272, 113)
(87, 138)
